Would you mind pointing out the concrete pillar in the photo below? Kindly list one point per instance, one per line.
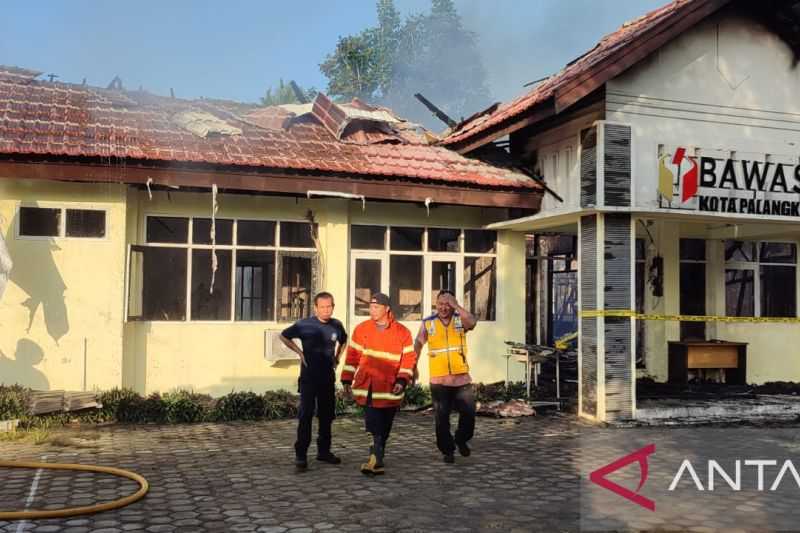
(607, 346)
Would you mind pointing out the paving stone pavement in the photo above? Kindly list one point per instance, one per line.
(524, 475)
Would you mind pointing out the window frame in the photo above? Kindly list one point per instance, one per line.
(189, 245)
(755, 267)
(428, 257)
(62, 222)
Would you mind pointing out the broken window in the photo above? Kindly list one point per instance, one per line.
(444, 240)
(297, 234)
(406, 239)
(740, 296)
(86, 223)
(255, 285)
(255, 233)
(208, 304)
(167, 229)
(480, 286)
(480, 241)
(405, 282)
(245, 284)
(760, 279)
(367, 282)
(368, 237)
(39, 222)
(201, 231)
(296, 290)
(157, 283)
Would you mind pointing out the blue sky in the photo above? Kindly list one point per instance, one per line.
(236, 49)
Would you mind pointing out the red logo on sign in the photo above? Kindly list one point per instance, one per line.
(640, 456)
(690, 178)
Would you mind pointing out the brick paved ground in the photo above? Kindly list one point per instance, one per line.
(525, 475)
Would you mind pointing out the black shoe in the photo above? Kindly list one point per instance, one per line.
(449, 458)
(329, 458)
(463, 449)
(301, 464)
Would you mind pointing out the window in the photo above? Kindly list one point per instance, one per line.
(297, 234)
(173, 276)
(255, 293)
(86, 223)
(444, 240)
(760, 279)
(405, 286)
(157, 283)
(480, 286)
(39, 222)
(480, 241)
(201, 231)
(368, 238)
(693, 287)
(255, 233)
(420, 262)
(61, 222)
(167, 229)
(296, 291)
(406, 239)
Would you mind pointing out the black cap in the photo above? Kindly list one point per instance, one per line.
(380, 298)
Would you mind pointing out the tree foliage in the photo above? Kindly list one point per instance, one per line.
(431, 53)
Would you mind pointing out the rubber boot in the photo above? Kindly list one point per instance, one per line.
(380, 449)
(373, 466)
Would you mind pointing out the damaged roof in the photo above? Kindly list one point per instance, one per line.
(353, 140)
(611, 56)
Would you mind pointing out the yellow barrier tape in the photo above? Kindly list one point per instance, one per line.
(626, 313)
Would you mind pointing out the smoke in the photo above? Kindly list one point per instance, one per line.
(519, 42)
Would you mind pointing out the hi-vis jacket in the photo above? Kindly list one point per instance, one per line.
(447, 346)
(377, 359)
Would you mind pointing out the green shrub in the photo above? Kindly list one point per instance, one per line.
(112, 399)
(280, 404)
(244, 405)
(183, 407)
(138, 410)
(14, 402)
(417, 396)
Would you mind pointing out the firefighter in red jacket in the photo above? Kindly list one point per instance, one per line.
(380, 363)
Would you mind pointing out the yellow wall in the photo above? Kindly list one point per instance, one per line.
(218, 357)
(73, 288)
(771, 352)
(211, 357)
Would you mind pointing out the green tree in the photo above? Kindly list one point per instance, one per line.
(283, 94)
(362, 65)
(431, 53)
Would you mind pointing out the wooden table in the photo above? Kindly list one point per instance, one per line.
(731, 357)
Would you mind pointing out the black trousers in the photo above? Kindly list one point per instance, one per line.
(445, 400)
(319, 397)
(379, 420)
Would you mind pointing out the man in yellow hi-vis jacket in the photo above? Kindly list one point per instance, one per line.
(445, 332)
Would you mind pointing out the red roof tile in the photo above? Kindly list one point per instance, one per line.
(47, 118)
(610, 45)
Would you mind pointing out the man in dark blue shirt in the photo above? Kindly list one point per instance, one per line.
(324, 338)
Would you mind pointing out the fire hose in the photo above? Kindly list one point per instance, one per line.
(34, 514)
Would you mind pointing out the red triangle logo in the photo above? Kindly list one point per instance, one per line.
(640, 456)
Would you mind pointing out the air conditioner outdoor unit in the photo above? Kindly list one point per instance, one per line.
(275, 350)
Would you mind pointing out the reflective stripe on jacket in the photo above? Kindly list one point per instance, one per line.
(447, 346)
(377, 359)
